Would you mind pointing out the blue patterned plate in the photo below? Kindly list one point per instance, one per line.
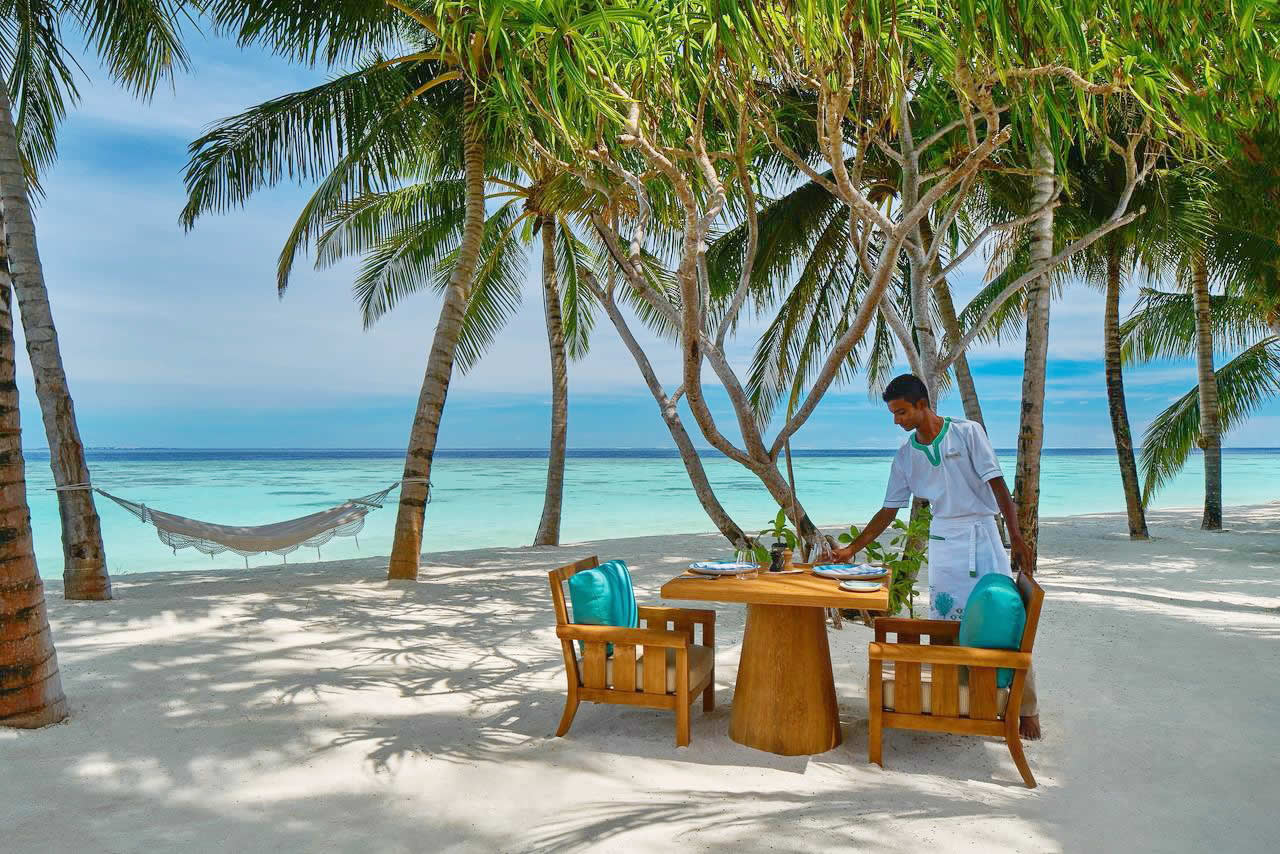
(849, 570)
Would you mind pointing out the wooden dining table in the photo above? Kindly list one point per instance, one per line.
(785, 698)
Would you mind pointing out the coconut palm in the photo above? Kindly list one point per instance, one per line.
(354, 150)
(1167, 324)
(409, 239)
(1149, 246)
(138, 42)
(1239, 255)
(30, 687)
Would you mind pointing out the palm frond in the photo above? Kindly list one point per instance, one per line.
(41, 83)
(813, 314)
(138, 40)
(310, 31)
(577, 304)
(880, 364)
(303, 136)
(1008, 320)
(788, 226)
(403, 264)
(354, 134)
(370, 220)
(1244, 384)
(659, 278)
(1162, 325)
(497, 289)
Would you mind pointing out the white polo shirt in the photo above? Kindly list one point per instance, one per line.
(951, 472)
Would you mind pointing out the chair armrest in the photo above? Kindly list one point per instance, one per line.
(932, 628)
(616, 634)
(705, 616)
(928, 654)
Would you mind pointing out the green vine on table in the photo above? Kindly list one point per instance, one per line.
(905, 554)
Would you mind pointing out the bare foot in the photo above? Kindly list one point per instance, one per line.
(1029, 727)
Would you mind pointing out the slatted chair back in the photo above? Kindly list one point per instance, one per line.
(1032, 598)
(558, 578)
(946, 701)
(637, 672)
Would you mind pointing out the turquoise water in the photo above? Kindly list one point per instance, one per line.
(494, 498)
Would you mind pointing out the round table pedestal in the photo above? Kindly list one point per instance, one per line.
(785, 699)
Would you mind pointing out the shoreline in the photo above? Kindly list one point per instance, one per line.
(429, 558)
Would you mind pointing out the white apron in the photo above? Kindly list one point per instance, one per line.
(962, 549)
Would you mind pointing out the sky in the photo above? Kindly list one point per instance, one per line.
(178, 339)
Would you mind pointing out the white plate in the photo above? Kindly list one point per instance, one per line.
(848, 570)
(860, 586)
(721, 567)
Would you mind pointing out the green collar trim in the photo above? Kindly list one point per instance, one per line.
(933, 450)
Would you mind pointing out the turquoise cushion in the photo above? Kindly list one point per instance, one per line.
(993, 618)
(604, 597)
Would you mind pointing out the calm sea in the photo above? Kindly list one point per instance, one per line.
(485, 498)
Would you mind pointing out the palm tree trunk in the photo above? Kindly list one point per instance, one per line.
(1207, 384)
(84, 561)
(1026, 487)
(1116, 403)
(406, 547)
(549, 526)
(30, 686)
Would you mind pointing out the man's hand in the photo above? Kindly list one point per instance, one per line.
(1022, 555)
(842, 554)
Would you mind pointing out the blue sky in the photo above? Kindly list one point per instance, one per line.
(178, 339)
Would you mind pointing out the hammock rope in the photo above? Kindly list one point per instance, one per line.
(313, 530)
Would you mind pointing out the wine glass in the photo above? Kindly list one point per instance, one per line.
(747, 555)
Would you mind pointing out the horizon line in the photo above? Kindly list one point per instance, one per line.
(571, 448)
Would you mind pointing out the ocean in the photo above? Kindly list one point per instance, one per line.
(491, 498)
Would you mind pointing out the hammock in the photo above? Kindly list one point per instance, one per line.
(314, 530)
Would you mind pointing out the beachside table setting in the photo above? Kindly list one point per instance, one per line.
(785, 698)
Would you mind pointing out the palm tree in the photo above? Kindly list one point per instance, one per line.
(1239, 252)
(30, 686)
(355, 133)
(138, 41)
(409, 239)
(333, 132)
(1174, 220)
(1168, 324)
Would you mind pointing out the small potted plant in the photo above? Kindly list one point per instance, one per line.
(779, 554)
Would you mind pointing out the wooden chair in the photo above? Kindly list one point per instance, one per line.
(936, 700)
(653, 666)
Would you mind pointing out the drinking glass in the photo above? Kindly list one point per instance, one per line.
(747, 556)
(825, 554)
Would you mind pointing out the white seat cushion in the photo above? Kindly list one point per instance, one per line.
(701, 661)
(1002, 695)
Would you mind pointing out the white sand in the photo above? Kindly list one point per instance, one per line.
(317, 708)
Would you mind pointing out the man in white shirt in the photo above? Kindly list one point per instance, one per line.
(950, 463)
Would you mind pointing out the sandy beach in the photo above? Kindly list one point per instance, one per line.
(315, 707)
